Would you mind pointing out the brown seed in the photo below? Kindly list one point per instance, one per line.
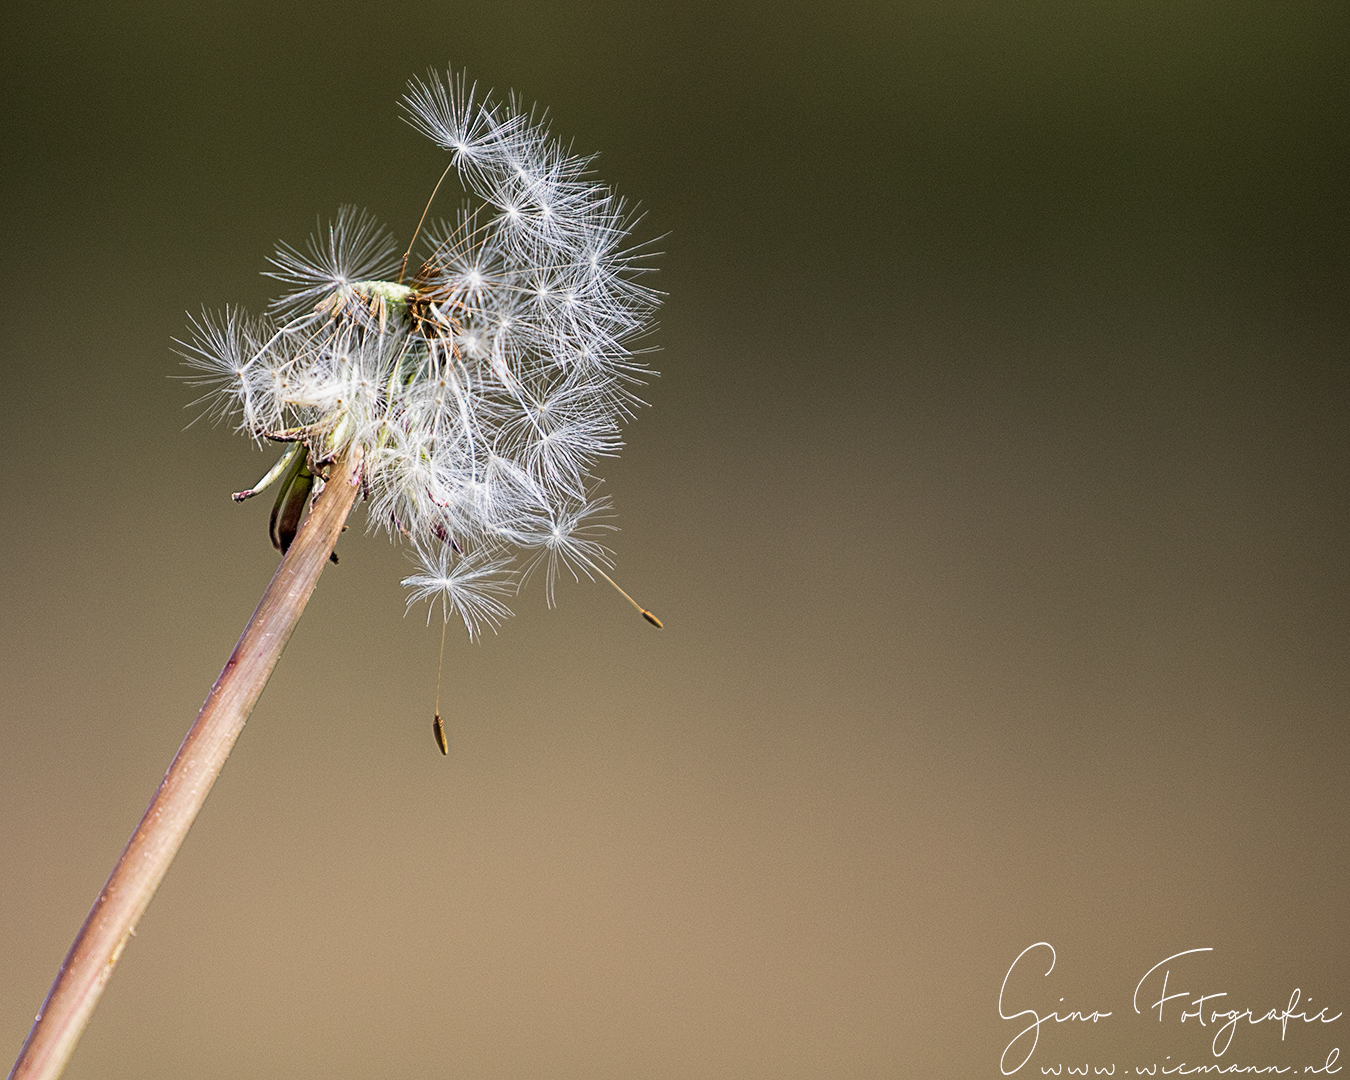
(438, 729)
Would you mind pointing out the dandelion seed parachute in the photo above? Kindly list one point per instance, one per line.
(484, 387)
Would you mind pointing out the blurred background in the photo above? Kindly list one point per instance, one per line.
(994, 494)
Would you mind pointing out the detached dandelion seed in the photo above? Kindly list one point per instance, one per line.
(467, 394)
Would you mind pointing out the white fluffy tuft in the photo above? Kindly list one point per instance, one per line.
(485, 386)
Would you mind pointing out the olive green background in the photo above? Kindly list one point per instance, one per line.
(994, 493)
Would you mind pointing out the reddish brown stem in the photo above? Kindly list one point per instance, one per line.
(185, 786)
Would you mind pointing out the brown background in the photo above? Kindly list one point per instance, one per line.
(994, 494)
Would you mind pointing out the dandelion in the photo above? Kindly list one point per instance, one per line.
(467, 395)
(482, 387)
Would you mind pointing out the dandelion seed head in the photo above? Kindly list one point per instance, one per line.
(484, 381)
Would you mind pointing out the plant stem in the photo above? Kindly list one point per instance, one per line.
(181, 794)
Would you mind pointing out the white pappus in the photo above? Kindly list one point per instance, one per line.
(481, 384)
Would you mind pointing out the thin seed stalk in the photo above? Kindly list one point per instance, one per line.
(185, 786)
